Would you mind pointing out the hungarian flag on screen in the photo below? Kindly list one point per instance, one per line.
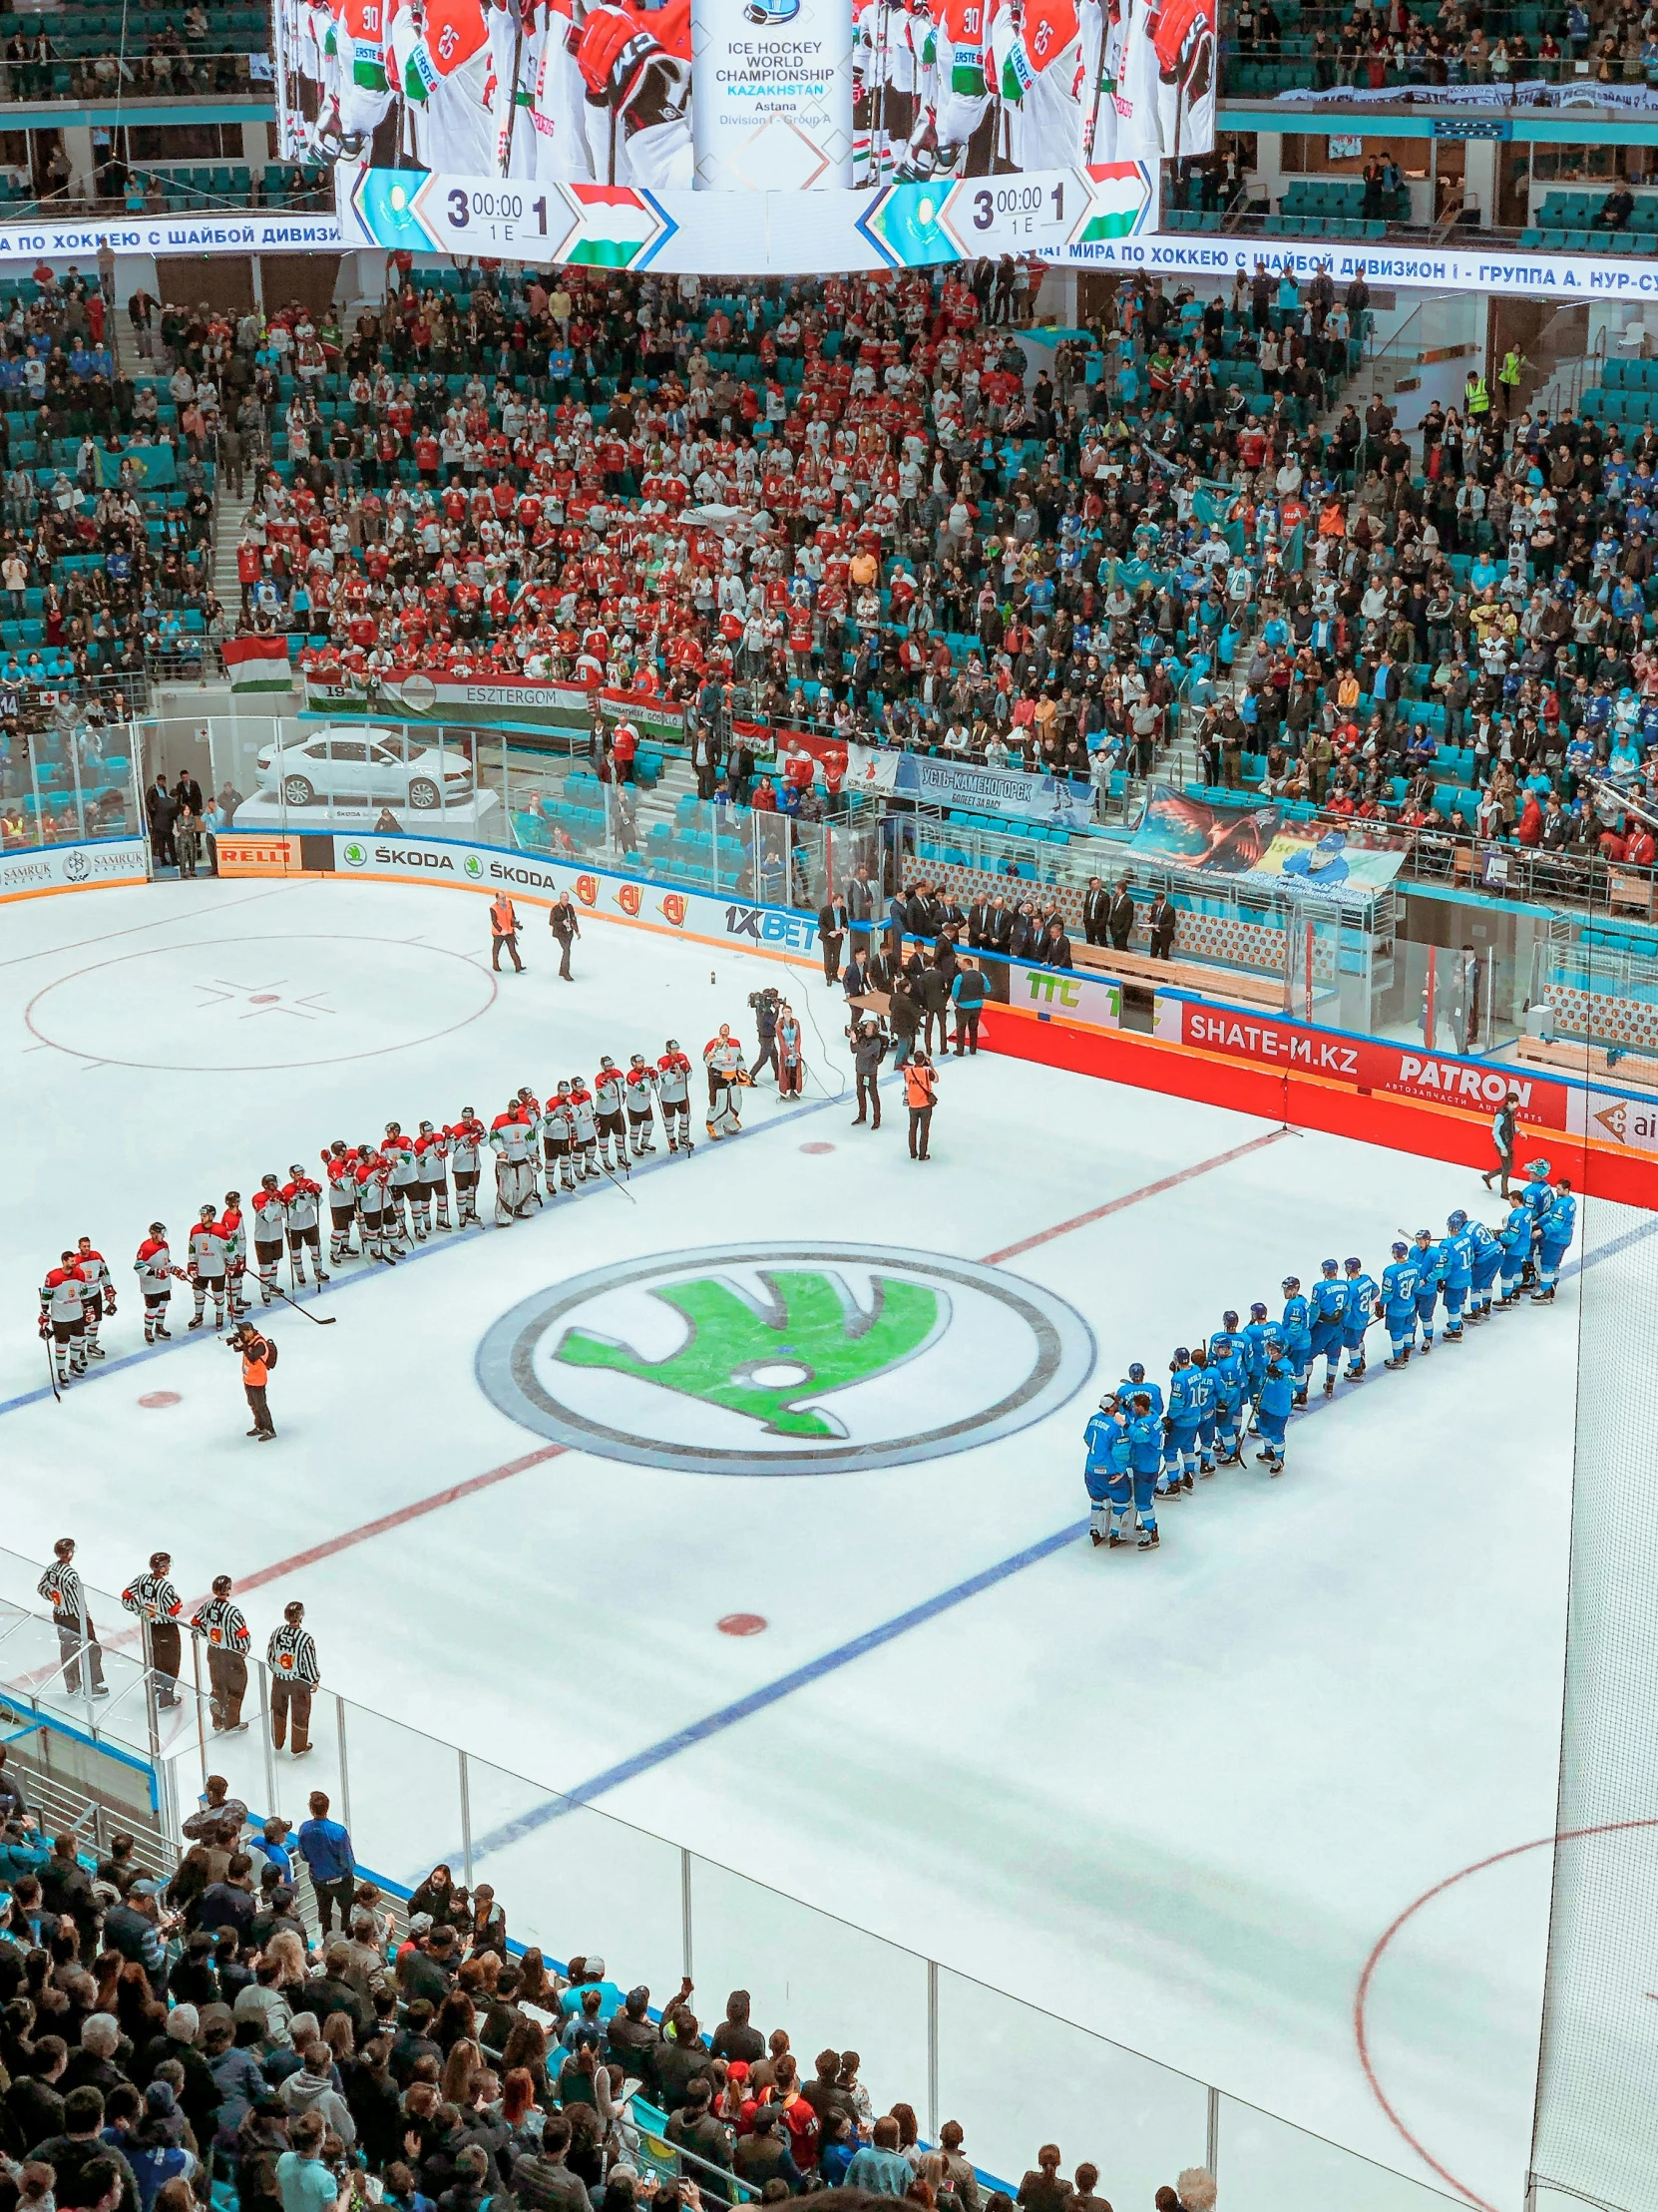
(617, 225)
(1120, 194)
(256, 664)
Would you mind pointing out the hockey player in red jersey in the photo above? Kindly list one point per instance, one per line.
(63, 1317)
(465, 1136)
(234, 1236)
(401, 1182)
(509, 1140)
(301, 1199)
(371, 1173)
(641, 1091)
(154, 1270)
(607, 1113)
(584, 1131)
(100, 1295)
(340, 1165)
(673, 1075)
(207, 1269)
(269, 1225)
(558, 1135)
(431, 1151)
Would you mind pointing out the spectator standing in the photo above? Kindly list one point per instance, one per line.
(325, 1846)
(565, 928)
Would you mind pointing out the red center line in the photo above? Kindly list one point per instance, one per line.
(398, 1519)
(1134, 1197)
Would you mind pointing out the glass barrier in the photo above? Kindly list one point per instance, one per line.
(66, 779)
(573, 1879)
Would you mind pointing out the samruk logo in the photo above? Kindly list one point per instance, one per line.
(785, 1359)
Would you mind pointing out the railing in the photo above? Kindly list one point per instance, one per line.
(117, 71)
(1014, 2072)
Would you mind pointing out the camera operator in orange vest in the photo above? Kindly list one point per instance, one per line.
(502, 931)
(921, 1091)
(258, 1359)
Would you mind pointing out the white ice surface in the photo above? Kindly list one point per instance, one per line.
(1174, 1798)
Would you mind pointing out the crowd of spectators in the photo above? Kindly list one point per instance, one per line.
(212, 2039)
(1392, 44)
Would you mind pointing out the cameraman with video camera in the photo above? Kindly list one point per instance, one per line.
(765, 1004)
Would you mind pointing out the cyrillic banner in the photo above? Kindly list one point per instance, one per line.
(1054, 803)
(249, 231)
(1510, 271)
(485, 702)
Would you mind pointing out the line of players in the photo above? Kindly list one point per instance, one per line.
(392, 1193)
(1141, 1448)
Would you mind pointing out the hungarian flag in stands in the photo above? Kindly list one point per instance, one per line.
(256, 664)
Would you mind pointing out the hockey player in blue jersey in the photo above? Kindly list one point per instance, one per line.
(1398, 1303)
(1136, 1380)
(1277, 1394)
(1554, 1235)
(1456, 1274)
(1487, 1258)
(1328, 1318)
(1428, 1257)
(1185, 1411)
(1146, 1459)
(1514, 1241)
(1296, 1335)
(1109, 1482)
(1229, 1365)
(1362, 1294)
(1206, 1390)
(1536, 1197)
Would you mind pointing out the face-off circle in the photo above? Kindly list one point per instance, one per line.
(241, 1004)
(785, 1359)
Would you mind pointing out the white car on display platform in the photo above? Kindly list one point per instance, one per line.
(361, 765)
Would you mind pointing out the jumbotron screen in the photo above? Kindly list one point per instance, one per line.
(733, 137)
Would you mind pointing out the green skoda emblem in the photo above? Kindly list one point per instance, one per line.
(785, 1359)
(472, 865)
(356, 857)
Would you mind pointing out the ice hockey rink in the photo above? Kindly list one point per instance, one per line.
(1180, 1799)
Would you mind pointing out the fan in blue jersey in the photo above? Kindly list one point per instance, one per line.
(1456, 1274)
(1206, 1390)
(1146, 1459)
(1514, 1241)
(1110, 1486)
(1362, 1310)
(1398, 1303)
(1185, 1411)
(1229, 1365)
(1554, 1233)
(1277, 1394)
(1428, 1257)
(1487, 1258)
(1296, 1335)
(1327, 1319)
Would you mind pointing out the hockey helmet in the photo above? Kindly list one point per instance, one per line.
(1537, 1169)
(1353, 1266)
(564, 1088)
(672, 1045)
(232, 1198)
(338, 1147)
(426, 1128)
(637, 1061)
(268, 1182)
(1136, 1373)
(394, 1129)
(1328, 1267)
(1290, 1282)
(297, 1169)
(605, 1060)
(1182, 1356)
(1457, 1221)
(1402, 1250)
(158, 1228)
(1108, 1404)
(204, 1213)
(1257, 1311)
(469, 1113)
(1425, 1236)
(1229, 1319)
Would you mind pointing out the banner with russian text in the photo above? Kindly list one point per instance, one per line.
(486, 703)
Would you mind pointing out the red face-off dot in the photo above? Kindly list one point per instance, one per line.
(743, 1624)
(818, 1148)
(155, 1398)
(264, 998)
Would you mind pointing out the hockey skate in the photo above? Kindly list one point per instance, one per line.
(1330, 1386)
(1148, 1542)
(1116, 1543)
(1545, 1296)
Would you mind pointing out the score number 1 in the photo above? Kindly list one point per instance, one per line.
(492, 206)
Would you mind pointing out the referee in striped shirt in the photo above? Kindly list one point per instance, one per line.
(224, 1626)
(291, 1659)
(157, 1605)
(62, 1587)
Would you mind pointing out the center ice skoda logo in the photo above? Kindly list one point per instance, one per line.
(785, 1359)
(356, 856)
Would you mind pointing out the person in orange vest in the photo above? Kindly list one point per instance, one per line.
(920, 1090)
(259, 1358)
(502, 931)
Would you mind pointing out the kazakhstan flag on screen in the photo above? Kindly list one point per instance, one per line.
(152, 467)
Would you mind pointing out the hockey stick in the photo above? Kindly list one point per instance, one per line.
(322, 1320)
(52, 1370)
(609, 1177)
(505, 145)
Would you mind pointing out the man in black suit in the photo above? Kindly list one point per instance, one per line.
(833, 922)
(1162, 921)
(1097, 912)
(1121, 917)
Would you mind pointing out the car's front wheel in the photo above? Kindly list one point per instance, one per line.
(298, 791)
(423, 793)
